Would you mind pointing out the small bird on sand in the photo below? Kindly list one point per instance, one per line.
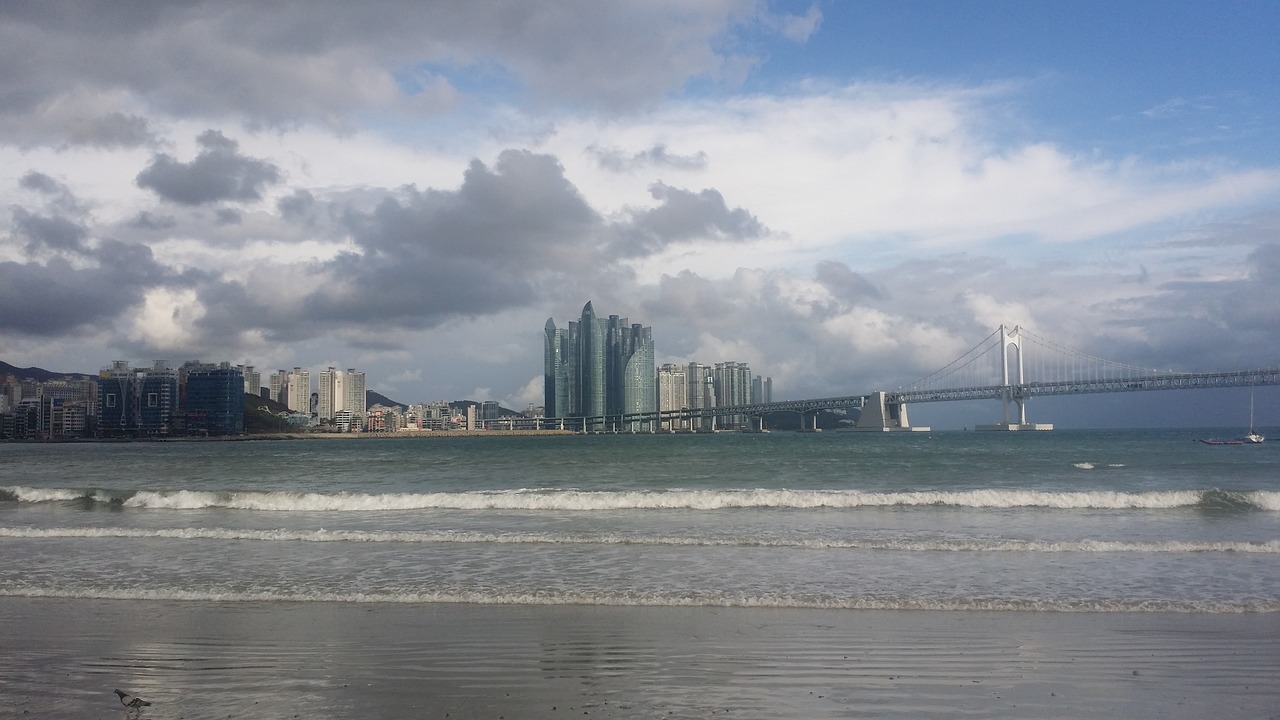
(131, 702)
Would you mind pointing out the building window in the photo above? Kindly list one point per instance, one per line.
(153, 400)
(111, 400)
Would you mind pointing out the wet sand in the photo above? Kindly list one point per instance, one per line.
(61, 658)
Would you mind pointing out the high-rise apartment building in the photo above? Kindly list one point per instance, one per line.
(733, 388)
(252, 380)
(599, 369)
(762, 389)
(279, 386)
(356, 400)
(333, 393)
(341, 397)
(702, 393)
(298, 390)
(673, 393)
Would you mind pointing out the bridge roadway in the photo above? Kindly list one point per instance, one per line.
(1024, 391)
(1171, 381)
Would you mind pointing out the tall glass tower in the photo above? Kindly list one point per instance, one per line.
(600, 370)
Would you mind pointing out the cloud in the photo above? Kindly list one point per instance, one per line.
(657, 156)
(41, 183)
(111, 130)
(325, 61)
(217, 173)
(55, 233)
(684, 216)
(798, 28)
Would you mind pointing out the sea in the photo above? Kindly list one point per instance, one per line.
(1030, 524)
(1041, 522)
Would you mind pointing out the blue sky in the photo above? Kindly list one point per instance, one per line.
(1150, 78)
(845, 195)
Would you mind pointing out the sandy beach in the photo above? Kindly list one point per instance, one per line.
(62, 658)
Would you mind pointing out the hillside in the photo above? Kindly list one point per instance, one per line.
(39, 374)
(372, 398)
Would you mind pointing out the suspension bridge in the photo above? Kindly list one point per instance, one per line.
(1012, 365)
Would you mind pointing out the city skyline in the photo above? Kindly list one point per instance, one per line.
(847, 195)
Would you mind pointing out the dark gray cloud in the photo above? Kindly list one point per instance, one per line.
(55, 298)
(83, 284)
(218, 173)
(110, 130)
(148, 221)
(54, 193)
(842, 282)
(45, 231)
(658, 156)
(296, 207)
(684, 216)
(423, 257)
(40, 183)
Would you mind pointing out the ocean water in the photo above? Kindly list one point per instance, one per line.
(1111, 522)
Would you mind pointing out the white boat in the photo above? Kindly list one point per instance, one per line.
(1253, 438)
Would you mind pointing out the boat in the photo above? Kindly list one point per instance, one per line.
(1253, 438)
(1250, 438)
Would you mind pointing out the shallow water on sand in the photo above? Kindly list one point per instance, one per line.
(201, 660)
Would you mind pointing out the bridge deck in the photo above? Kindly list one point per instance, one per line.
(1172, 381)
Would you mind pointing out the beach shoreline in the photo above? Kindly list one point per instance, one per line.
(219, 659)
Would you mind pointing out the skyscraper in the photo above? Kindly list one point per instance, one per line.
(341, 397)
(279, 386)
(599, 369)
(298, 390)
(137, 402)
(252, 380)
(733, 388)
(673, 392)
(333, 393)
(215, 400)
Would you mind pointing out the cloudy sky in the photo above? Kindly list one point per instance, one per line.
(846, 195)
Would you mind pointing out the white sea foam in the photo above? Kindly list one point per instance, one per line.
(1265, 499)
(1083, 465)
(643, 600)
(360, 536)
(30, 494)
(571, 500)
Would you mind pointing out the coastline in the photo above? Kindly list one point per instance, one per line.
(407, 434)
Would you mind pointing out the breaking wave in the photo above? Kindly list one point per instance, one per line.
(362, 536)
(570, 500)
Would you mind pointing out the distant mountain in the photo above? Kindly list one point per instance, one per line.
(372, 398)
(39, 374)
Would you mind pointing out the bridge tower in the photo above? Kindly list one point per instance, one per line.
(1010, 392)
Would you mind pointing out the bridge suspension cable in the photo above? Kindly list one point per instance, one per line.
(964, 367)
(1042, 360)
(1058, 363)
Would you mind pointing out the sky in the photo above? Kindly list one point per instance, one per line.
(846, 195)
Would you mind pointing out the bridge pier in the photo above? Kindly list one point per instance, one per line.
(880, 414)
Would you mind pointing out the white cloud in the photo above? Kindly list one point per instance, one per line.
(166, 319)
